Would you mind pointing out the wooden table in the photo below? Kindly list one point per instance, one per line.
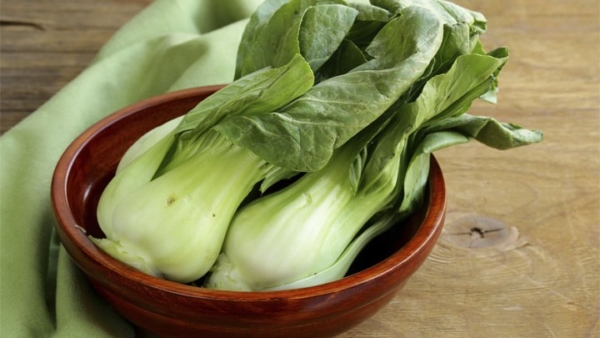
(519, 256)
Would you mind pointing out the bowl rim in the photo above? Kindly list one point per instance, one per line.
(428, 231)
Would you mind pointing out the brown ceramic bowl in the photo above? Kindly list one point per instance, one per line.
(170, 309)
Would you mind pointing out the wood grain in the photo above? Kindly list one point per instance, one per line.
(46, 43)
(545, 283)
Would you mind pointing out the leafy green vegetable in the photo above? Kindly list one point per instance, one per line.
(303, 135)
(173, 226)
(279, 30)
(166, 212)
(378, 179)
(347, 101)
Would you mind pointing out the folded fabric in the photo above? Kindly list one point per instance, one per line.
(170, 45)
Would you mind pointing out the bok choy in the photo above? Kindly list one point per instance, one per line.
(348, 100)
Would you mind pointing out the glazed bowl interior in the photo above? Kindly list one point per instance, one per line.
(90, 162)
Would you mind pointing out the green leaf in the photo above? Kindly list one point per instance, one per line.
(488, 131)
(453, 131)
(264, 90)
(442, 96)
(491, 94)
(347, 57)
(303, 135)
(278, 31)
(451, 93)
(448, 12)
(322, 30)
(417, 172)
(368, 23)
(247, 62)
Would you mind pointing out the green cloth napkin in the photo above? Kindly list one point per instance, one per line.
(170, 45)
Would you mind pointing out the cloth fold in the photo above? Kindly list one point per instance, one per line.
(170, 45)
